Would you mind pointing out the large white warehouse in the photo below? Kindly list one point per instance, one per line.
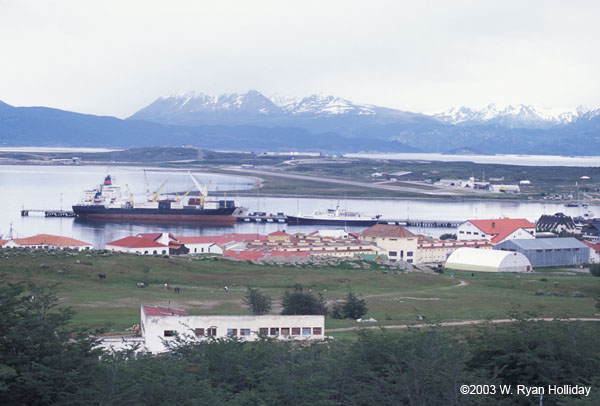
(473, 259)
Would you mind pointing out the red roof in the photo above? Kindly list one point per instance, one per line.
(136, 242)
(163, 311)
(47, 239)
(253, 255)
(501, 228)
(154, 236)
(593, 246)
(218, 239)
(2, 242)
(386, 230)
(278, 233)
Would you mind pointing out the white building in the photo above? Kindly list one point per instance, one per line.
(496, 230)
(474, 259)
(161, 325)
(138, 245)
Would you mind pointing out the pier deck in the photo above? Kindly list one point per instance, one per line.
(47, 213)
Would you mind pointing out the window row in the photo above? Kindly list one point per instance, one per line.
(265, 331)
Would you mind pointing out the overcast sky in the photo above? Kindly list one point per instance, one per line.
(114, 57)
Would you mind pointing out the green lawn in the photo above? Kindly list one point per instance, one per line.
(392, 297)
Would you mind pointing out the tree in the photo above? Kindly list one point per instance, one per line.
(42, 359)
(353, 308)
(258, 302)
(303, 303)
(448, 236)
(595, 269)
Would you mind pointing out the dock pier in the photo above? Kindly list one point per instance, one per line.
(48, 213)
(280, 218)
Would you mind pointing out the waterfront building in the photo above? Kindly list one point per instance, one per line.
(594, 252)
(138, 245)
(474, 259)
(47, 241)
(496, 230)
(549, 251)
(431, 250)
(556, 223)
(396, 242)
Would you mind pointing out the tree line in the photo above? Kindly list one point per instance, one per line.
(45, 361)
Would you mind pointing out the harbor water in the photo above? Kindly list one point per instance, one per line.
(59, 187)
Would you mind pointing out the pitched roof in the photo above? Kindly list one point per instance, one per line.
(501, 228)
(218, 239)
(386, 230)
(2, 242)
(544, 243)
(135, 242)
(53, 240)
(154, 236)
(595, 247)
(278, 233)
(163, 311)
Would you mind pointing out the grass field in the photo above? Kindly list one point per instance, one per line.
(392, 297)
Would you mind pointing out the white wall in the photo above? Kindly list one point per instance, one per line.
(142, 251)
(154, 327)
(204, 248)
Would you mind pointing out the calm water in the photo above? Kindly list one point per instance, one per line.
(54, 187)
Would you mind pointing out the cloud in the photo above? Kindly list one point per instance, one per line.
(113, 57)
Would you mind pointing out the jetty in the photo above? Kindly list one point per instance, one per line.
(281, 218)
(47, 213)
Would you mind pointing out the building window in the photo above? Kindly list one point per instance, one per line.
(409, 253)
(305, 331)
(263, 331)
(195, 249)
(295, 331)
(317, 331)
(410, 261)
(169, 333)
(244, 332)
(154, 252)
(199, 331)
(393, 253)
(461, 232)
(468, 232)
(274, 331)
(285, 331)
(211, 331)
(232, 331)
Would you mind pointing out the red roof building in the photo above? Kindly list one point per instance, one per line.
(496, 230)
(48, 241)
(137, 245)
(387, 231)
(163, 311)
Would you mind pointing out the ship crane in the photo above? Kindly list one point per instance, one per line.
(130, 195)
(203, 189)
(180, 198)
(156, 194)
(147, 186)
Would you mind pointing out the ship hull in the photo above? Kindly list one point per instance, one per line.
(294, 220)
(221, 216)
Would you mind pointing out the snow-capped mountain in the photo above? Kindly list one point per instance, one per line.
(519, 116)
(250, 107)
(323, 105)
